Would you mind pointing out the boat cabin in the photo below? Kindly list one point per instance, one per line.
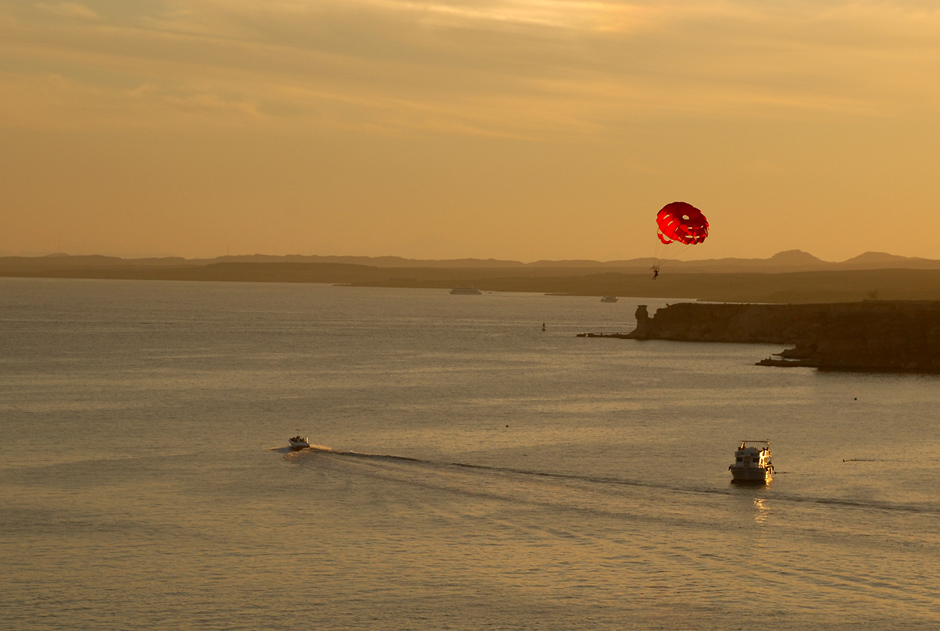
(747, 456)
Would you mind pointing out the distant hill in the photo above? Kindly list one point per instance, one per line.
(882, 260)
(795, 257)
(876, 258)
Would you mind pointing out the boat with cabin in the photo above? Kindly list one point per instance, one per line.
(609, 299)
(299, 442)
(752, 462)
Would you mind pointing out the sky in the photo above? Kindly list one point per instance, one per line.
(519, 129)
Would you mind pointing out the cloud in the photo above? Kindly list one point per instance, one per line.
(556, 14)
(518, 68)
(68, 9)
(52, 101)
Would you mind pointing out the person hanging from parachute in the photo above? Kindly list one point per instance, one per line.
(679, 222)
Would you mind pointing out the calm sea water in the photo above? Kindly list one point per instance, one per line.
(473, 471)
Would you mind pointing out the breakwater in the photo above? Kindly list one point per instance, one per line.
(871, 335)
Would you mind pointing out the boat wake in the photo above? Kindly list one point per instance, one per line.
(610, 481)
(313, 449)
(293, 453)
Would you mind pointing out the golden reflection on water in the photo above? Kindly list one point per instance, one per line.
(763, 511)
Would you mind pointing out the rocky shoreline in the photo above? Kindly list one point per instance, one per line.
(877, 336)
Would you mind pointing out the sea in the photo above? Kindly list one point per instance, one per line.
(469, 470)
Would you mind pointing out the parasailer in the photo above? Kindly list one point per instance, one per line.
(679, 222)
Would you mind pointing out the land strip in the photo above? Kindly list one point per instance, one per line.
(756, 287)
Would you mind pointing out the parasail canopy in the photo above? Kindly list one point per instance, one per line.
(681, 222)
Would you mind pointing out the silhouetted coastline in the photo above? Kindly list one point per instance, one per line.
(877, 336)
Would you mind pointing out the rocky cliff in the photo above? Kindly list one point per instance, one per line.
(871, 335)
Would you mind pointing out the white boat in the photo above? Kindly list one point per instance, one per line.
(465, 291)
(609, 299)
(299, 442)
(752, 462)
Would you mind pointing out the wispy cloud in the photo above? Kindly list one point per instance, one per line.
(557, 14)
(67, 9)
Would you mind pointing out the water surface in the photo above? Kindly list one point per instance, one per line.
(472, 471)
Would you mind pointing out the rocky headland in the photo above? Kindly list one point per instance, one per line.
(866, 336)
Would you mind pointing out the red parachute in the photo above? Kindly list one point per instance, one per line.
(681, 222)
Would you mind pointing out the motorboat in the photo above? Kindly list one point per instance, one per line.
(609, 299)
(466, 291)
(752, 462)
(299, 442)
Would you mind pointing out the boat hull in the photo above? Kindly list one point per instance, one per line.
(751, 475)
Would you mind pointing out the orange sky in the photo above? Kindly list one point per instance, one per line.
(525, 129)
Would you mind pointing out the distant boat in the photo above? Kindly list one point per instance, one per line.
(299, 442)
(609, 299)
(467, 291)
(752, 464)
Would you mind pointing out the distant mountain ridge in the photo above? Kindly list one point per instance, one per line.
(788, 277)
(787, 261)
